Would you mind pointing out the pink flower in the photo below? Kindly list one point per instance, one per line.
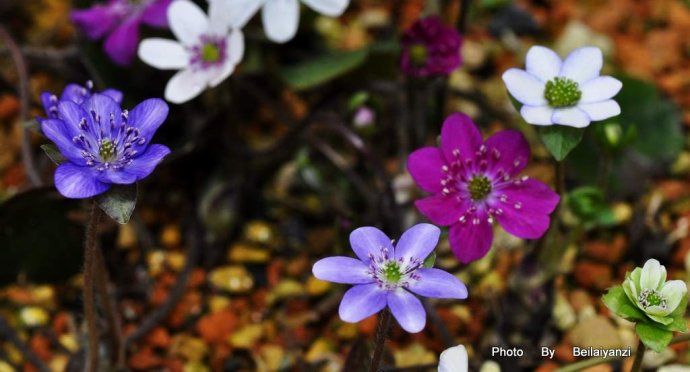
(476, 182)
(430, 48)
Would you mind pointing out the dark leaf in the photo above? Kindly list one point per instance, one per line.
(119, 202)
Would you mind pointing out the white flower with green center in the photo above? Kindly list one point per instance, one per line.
(568, 92)
(647, 288)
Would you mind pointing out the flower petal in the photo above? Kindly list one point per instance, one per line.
(537, 115)
(343, 270)
(460, 133)
(425, 166)
(470, 242)
(525, 211)
(524, 87)
(116, 176)
(107, 110)
(543, 63)
(368, 240)
(441, 210)
(148, 116)
(241, 11)
(407, 310)
(71, 113)
(437, 283)
(280, 19)
(187, 21)
(121, 44)
(361, 301)
(453, 359)
(583, 64)
(674, 291)
(601, 110)
(417, 242)
(55, 130)
(156, 14)
(77, 182)
(651, 274)
(185, 85)
(97, 20)
(599, 89)
(331, 8)
(571, 116)
(144, 164)
(235, 48)
(163, 54)
(115, 94)
(509, 151)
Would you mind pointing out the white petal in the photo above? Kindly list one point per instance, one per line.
(599, 89)
(601, 110)
(185, 85)
(651, 272)
(163, 54)
(571, 116)
(331, 8)
(235, 46)
(226, 14)
(187, 21)
(543, 63)
(537, 115)
(583, 64)
(525, 87)
(453, 359)
(280, 19)
(674, 291)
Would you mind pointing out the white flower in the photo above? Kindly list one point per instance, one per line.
(648, 289)
(205, 53)
(453, 359)
(569, 92)
(280, 17)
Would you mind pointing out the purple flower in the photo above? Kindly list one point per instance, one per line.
(119, 20)
(384, 275)
(430, 48)
(103, 144)
(474, 182)
(75, 93)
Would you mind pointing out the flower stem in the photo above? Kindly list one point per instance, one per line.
(639, 354)
(110, 307)
(89, 300)
(381, 334)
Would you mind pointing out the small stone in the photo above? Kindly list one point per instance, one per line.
(597, 332)
(234, 279)
(247, 252)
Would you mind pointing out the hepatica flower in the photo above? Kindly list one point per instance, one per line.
(386, 275)
(103, 144)
(648, 289)
(74, 93)
(118, 21)
(205, 53)
(475, 183)
(430, 48)
(568, 92)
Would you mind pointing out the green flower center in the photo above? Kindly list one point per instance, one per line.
(107, 150)
(418, 54)
(391, 271)
(562, 92)
(479, 187)
(650, 297)
(210, 52)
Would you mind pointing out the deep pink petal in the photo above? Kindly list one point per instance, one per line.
(361, 301)
(417, 242)
(425, 167)
(156, 14)
(470, 242)
(460, 133)
(441, 210)
(345, 270)
(509, 151)
(525, 211)
(407, 310)
(121, 44)
(437, 283)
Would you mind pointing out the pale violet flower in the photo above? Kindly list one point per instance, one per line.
(568, 92)
(280, 17)
(453, 359)
(206, 51)
(647, 288)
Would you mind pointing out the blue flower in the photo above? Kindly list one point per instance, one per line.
(103, 144)
(75, 93)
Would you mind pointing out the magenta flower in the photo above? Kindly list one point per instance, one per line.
(430, 48)
(474, 182)
(384, 275)
(118, 21)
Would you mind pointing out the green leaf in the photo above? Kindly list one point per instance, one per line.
(430, 260)
(590, 207)
(653, 337)
(53, 153)
(322, 69)
(560, 139)
(617, 301)
(119, 202)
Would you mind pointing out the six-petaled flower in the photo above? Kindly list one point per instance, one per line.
(430, 48)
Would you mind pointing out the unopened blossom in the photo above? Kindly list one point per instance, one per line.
(103, 144)
(280, 17)
(430, 48)
(453, 359)
(118, 22)
(386, 275)
(568, 92)
(475, 183)
(648, 289)
(205, 53)
(75, 93)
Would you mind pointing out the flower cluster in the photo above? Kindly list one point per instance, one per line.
(430, 48)
(102, 144)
